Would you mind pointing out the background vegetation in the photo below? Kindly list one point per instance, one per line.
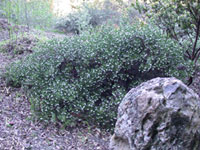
(33, 13)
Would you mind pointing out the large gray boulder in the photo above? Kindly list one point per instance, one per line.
(160, 114)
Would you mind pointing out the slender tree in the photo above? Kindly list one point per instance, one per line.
(180, 19)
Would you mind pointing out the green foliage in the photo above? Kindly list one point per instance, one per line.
(180, 19)
(86, 16)
(84, 78)
(177, 17)
(35, 13)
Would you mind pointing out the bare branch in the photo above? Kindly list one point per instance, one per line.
(188, 54)
(194, 52)
(191, 12)
(197, 55)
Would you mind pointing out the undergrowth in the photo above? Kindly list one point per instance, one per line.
(84, 78)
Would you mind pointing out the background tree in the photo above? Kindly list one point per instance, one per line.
(180, 19)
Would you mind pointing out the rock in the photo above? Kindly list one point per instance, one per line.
(160, 114)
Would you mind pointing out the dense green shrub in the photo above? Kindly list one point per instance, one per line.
(85, 77)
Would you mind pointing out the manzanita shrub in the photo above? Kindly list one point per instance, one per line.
(84, 78)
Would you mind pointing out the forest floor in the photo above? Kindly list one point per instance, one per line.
(18, 130)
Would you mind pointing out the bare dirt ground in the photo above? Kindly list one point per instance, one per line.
(18, 131)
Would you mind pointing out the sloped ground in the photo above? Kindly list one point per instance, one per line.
(19, 132)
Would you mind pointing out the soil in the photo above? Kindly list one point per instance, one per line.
(19, 131)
